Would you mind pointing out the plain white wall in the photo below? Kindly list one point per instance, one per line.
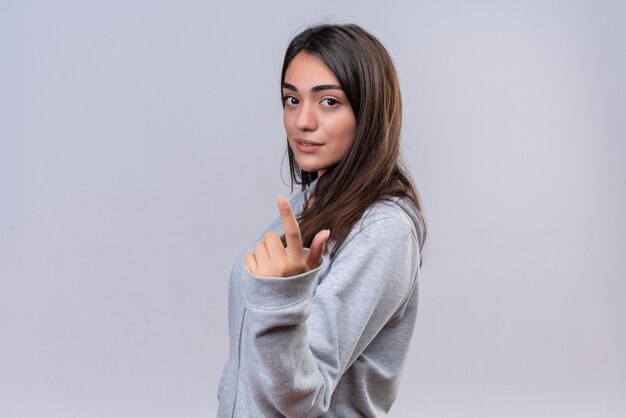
(141, 145)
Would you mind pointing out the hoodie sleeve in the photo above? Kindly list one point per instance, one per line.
(302, 339)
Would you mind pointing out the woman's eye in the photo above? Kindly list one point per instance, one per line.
(290, 100)
(330, 102)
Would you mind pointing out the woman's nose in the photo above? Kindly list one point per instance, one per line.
(306, 120)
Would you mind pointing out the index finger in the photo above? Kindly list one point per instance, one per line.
(292, 229)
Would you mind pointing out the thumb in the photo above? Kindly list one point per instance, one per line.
(314, 256)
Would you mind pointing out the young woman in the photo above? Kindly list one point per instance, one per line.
(322, 307)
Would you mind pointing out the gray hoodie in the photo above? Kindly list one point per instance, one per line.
(332, 341)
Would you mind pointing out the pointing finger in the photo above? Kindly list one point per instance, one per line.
(292, 229)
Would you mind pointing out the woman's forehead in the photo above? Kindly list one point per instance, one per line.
(306, 71)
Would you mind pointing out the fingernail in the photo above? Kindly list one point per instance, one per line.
(282, 200)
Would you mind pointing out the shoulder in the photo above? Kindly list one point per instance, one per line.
(389, 217)
(381, 251)
(389, 221)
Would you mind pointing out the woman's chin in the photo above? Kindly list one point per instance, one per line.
(309, 168)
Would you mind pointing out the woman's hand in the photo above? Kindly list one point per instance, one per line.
(271, 259)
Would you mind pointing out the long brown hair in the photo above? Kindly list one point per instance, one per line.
(371, 169)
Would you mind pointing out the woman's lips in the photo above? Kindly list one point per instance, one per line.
(304, 145)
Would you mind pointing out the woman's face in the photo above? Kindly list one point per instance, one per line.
(318, 118)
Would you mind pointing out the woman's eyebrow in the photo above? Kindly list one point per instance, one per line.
(313, 89)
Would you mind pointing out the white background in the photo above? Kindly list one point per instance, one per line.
(141, 145)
